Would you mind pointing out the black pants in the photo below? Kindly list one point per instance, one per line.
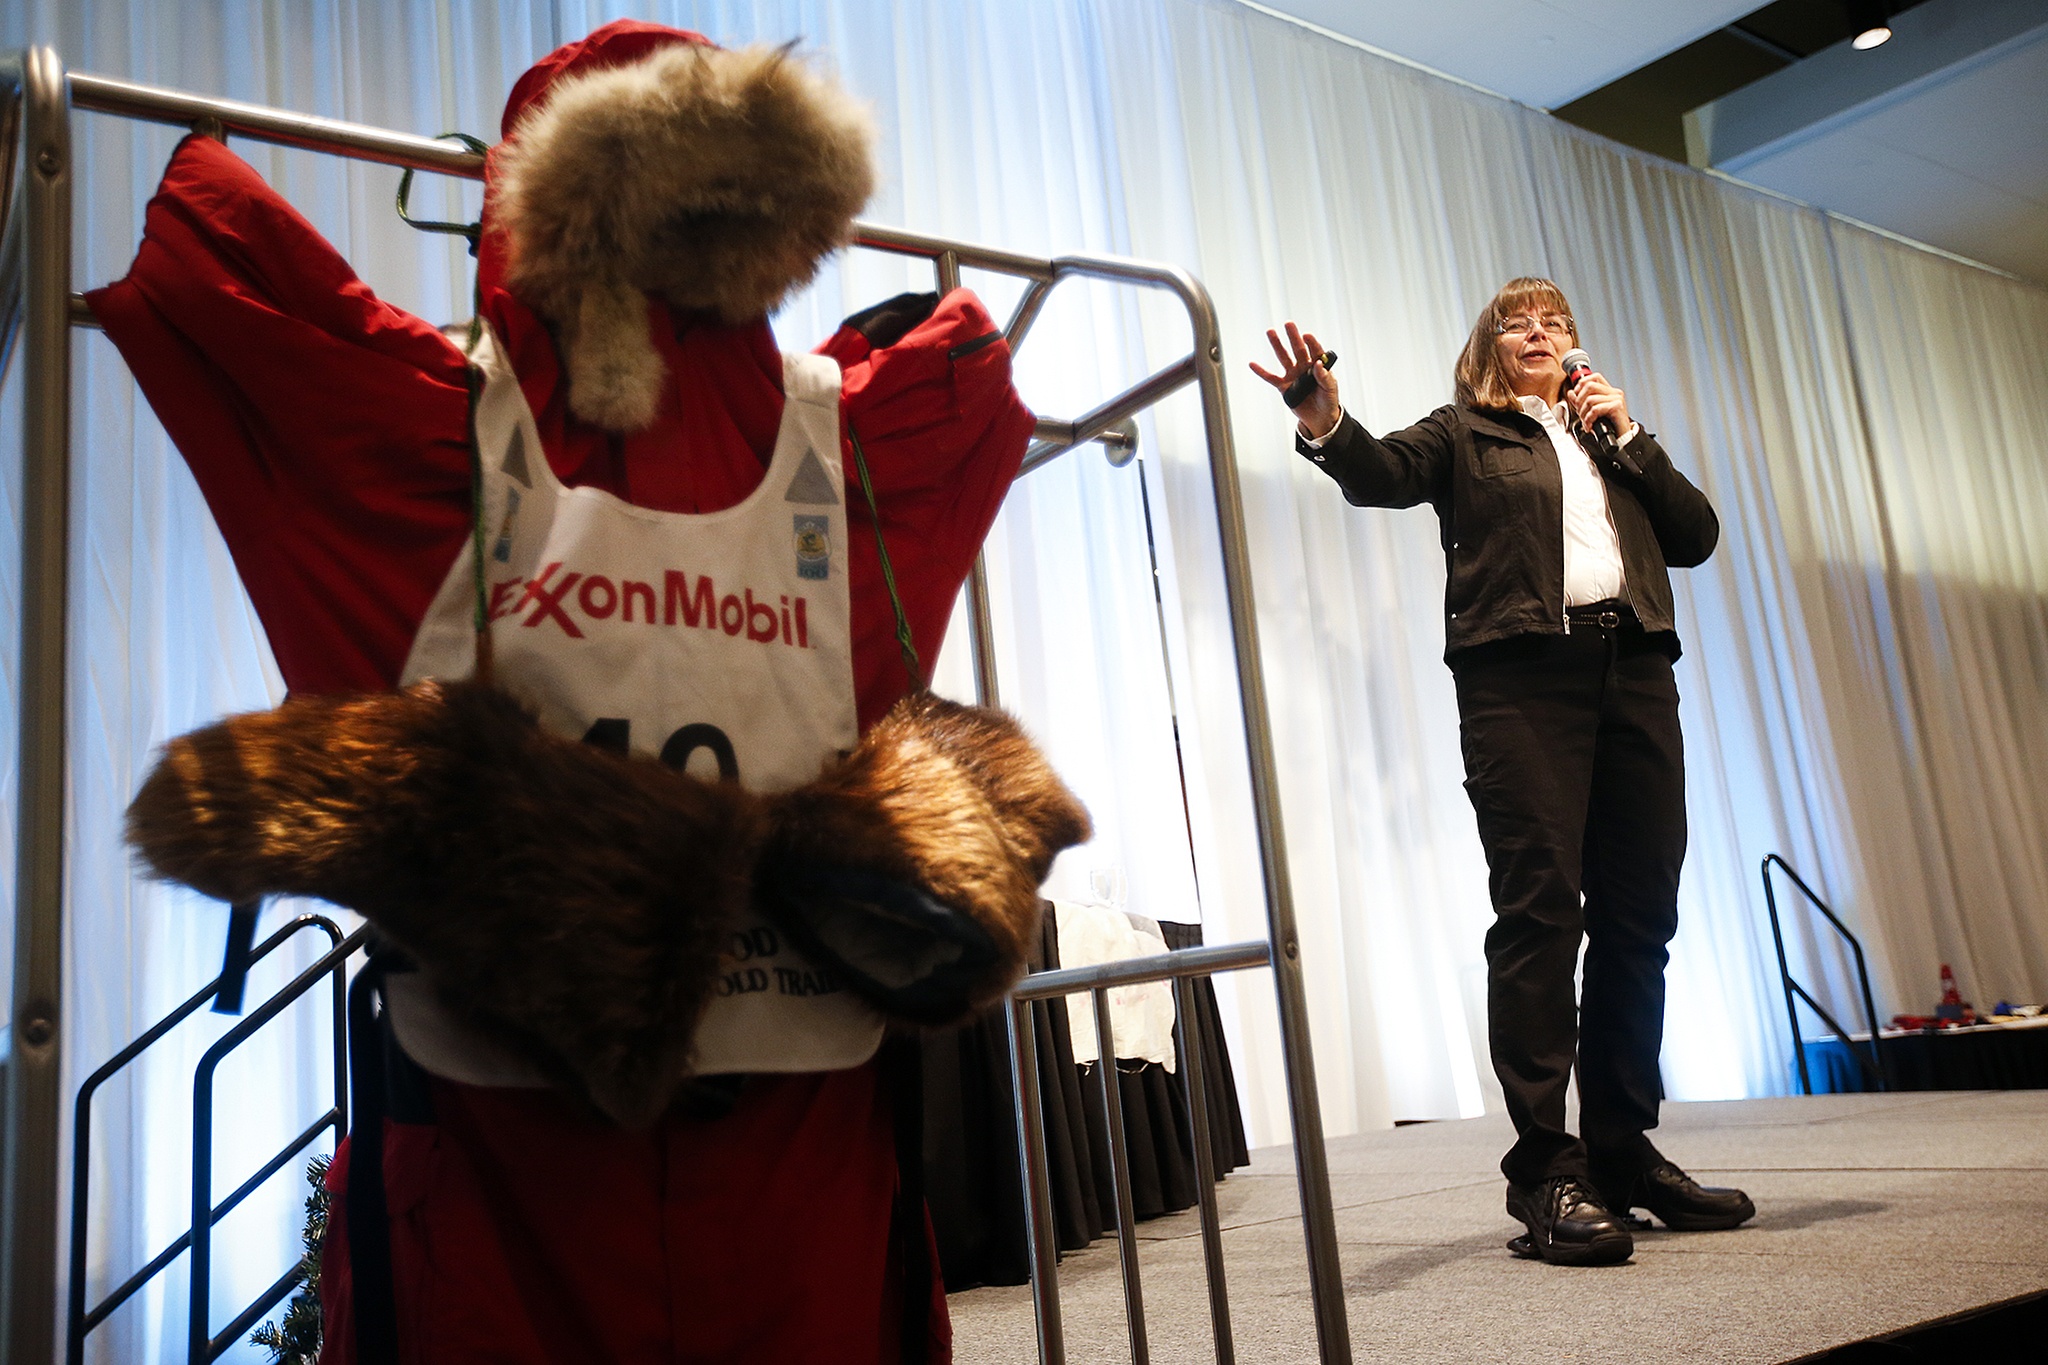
(1576, 771)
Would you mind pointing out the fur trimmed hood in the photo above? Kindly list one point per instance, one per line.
(576, 904)
(646, 164)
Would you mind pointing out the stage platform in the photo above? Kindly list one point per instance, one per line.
(1875, 1213)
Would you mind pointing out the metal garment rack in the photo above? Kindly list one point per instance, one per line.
(36, 99)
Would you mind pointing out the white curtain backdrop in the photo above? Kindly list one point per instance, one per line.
(1866, 653)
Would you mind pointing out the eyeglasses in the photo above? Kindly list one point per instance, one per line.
(1556, 324)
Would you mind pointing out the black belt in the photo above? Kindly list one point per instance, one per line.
(1612, 614)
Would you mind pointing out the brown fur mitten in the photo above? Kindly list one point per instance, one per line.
(913, 865)
(571, 900)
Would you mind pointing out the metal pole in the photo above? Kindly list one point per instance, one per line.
(1188, 1039)
(156, 104)
(12, 256)
(1870, 1009)
(876, 237)
(200, 1244)
(1120, 1177)
(981, 632)
(980, 623)
(1319, 1224)
(1785, 979)
(28, 1309)
(1027, 312)
(1038, 1227)
(204, 1345)
(1130, 971)
(338, 1039)
(1092, 424)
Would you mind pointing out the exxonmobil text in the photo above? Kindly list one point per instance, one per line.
(569, 600)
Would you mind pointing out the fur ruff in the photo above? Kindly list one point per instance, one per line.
(572, 902)
(709, 178)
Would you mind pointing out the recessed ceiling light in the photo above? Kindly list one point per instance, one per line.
(1872, 24)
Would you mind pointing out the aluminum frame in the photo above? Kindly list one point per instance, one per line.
(38, 231)
(36, 96)
(1182, 967)
(1202, 367)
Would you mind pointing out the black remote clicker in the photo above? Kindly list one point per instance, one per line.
(1295, 394)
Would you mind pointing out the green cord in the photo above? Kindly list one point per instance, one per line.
(910, 662)
(470, 232)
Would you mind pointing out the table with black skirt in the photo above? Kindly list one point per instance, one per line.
(2007, 1055)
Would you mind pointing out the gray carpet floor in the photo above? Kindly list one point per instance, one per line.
(1874, 1213)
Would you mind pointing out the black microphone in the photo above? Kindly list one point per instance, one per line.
(1576, 363)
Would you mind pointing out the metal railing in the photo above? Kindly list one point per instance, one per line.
(1873, 1065)
(1182, 967)
(202, 1343)
(1202, 367)
(36, 293)
(36, 96)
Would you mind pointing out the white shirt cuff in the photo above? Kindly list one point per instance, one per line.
(1316, 442)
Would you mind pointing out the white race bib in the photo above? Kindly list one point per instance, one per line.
(720, 642)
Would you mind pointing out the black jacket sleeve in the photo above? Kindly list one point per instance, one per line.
(1400, 469)
(1686, 526)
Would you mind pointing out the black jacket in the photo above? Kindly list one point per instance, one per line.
(1499, 499)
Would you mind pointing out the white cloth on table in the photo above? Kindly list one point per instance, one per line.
(1140, 1016)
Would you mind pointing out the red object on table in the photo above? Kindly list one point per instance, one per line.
(1953, 1008)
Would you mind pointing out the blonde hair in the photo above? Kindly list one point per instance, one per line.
(1481, 378)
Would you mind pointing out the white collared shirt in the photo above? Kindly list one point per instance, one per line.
(1592, 551)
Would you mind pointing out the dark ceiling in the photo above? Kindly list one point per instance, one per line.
(1647, 107)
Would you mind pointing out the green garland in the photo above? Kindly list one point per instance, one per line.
(296, 1341)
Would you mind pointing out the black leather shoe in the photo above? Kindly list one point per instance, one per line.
(1680, 1202)
(1568, 1225)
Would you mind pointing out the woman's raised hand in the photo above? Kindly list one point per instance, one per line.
(1318, 413)
(1593, 399)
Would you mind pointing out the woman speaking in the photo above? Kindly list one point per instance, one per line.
(1559, 514)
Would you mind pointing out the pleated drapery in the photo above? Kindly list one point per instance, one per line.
(1866, 653)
